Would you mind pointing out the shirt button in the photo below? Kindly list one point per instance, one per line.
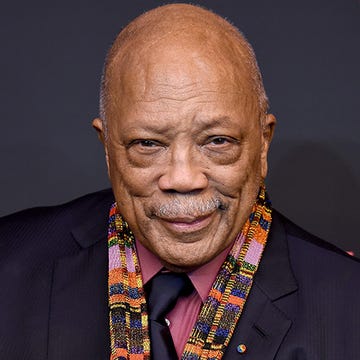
(167, 321)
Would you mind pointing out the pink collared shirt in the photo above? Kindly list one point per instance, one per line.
(184, 315)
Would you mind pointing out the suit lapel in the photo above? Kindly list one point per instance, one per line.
(266, 318)
(78, 322)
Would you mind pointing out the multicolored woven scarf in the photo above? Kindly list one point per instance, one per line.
(221, 311)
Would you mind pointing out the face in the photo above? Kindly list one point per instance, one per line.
(186, 155)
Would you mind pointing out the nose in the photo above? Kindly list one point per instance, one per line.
(184, 173)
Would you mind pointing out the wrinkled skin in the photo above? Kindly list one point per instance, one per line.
(186, 150)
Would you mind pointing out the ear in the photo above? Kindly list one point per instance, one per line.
(268, 126)
(98, 125)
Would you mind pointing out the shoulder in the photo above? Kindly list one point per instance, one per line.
(71, 210)
(298, 237)
(315, 261)
(45, 232)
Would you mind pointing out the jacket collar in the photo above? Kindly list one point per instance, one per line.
(94, 224)
(275, 276)
(78, 319)
(272, 302)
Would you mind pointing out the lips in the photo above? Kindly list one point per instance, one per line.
(187, 224)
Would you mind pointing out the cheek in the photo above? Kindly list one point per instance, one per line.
(125, 179)
(131, 189)
(239, 178)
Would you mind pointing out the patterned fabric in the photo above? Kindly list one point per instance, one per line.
(220, 313)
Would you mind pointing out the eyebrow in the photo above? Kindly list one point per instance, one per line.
(201, 124)
(209, 123)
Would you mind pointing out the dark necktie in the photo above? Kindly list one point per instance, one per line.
(163, 291)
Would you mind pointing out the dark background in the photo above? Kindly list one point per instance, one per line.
(309, 53)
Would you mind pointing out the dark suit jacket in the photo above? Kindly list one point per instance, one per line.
(304, 303)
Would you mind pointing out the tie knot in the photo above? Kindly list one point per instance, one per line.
(163, 291)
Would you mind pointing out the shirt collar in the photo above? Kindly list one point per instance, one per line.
(202, 278)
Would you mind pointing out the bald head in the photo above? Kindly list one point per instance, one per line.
(175, 35)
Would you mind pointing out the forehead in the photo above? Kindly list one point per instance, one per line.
(188, 110)
(176, 69)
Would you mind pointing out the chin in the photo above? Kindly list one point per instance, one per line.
(190, 260)
(183, 265)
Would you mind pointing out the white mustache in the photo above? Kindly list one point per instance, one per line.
(179, 207)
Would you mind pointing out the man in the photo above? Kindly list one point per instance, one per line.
(186, 130)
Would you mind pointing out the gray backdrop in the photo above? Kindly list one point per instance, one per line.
(51, 60)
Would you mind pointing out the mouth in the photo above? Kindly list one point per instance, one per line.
(187, 224)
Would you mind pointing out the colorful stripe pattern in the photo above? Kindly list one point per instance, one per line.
(129, 334)
(220, 313)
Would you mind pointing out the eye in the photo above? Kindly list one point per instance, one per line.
(147, 143)
(222, 149)
(219, 140)
(145, 146)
